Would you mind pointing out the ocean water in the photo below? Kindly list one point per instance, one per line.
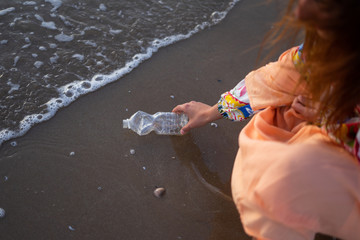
(53, 51)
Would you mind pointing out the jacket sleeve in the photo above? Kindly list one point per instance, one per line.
(275, 84)
(234, 104)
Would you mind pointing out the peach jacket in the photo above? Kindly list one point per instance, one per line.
(290, 180)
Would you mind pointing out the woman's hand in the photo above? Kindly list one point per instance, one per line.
(199, 114)
(305, 107)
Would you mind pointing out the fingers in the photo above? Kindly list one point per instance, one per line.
(185, 129)
(298, 106)
(302, 100)
(301, 105)
(305, 107)
(180, 108)
(305, 101)
(177, 109)
(183, 108)
(197, 112)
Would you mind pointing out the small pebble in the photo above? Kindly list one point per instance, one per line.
(159, 192)
(132, 151)
(2, 213)
(214, 125)
(6, 178)
(144, 167)
(72, 153)
(99, 188)
(172, 96)
(13, 143)
(71, 228)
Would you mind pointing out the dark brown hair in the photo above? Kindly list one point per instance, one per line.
(332, 64)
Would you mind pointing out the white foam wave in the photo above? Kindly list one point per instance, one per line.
(72, 91)
(49, 25)
(38, 17)
(38, 64)
(14, 87)
(102, 7)
(78, 57)
(56, 4)
(64, 38)
(54, 59)
(16, 59)
(29, 3)
(6, 11)
(53, 45)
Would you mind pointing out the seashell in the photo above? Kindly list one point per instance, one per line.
(159, 192)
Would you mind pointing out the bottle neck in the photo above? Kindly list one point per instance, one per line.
(126, 123)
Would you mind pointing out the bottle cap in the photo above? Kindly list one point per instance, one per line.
(126, 123)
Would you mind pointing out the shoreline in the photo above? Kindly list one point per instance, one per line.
(73, 177)
(73, 90)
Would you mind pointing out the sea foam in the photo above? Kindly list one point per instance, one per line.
(70, 92)
(29, 3)
(64, 38)
(49, 25)
(56, 4)
(6, 11)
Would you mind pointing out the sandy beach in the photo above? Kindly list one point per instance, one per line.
(73, 177)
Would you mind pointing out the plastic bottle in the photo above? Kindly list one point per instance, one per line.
(163, 123)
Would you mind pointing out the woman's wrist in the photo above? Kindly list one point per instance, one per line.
(212, 114)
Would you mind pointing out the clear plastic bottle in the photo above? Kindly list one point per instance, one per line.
(163, 123)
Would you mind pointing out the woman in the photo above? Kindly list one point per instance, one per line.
(297, 170)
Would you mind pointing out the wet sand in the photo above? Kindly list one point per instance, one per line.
(73, 177)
